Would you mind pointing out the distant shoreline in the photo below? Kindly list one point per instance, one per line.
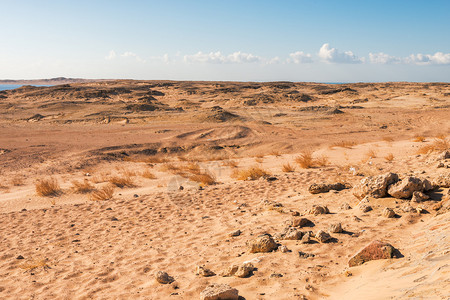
(50, 81)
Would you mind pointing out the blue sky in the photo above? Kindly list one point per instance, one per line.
(320, 40)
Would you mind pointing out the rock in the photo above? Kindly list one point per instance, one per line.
(306, 239)
(373, 251)
(217, 291)
(301, 222)
(318, 210)
(443, 180)
(444, 155)
(163, 277)
(427, 185)
(242, 271)
(235, 233)
(276, 275)
(346, 206)
(419, 197)
(374, 186)
(407, 208)
(407, 186)
(202, 271)
(440, 165)
(323, 236)
(291, 233)
(335, 228)
(365, 208)
(230, 271)
(317, 188)
(283, 249)
(263, 243)
(388, 213)
(305, 255)
(20, 257)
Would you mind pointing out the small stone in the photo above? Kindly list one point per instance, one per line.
(135, 195)
(318, 210)
(295, 213)
(419, 197)
(276, 275)
(306, 239)
(263, 243)
(346, 206)
(388, 212)
(203, 271)
(114, 219)
(317, 188)
(230, 271)
(365, 208)
(235, 233)
(163, 277)
(291, 233)
(244, 270)
(440, 165)
(335, 228)
(283, 249)
(305, 255)
(20, 257)
(323, 236)
(217, 291)
(301, 222)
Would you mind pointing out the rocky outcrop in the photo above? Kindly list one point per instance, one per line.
(263, 243)
(217, 291)
(373, 251)
(374, 186)
(405, 188)
(317, 188)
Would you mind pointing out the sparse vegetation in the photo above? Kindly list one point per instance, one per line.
(41, 263)
(305, 159)
(259, 160)
(148, 174)
(251, 173)
(122, 181)
(230, 163)
(419, 139)
(47, 187)
(343, 144)
(17, 181)
(288, 168)
(370, 154)
(105, 193)
(203, 178)
(435, 145)
(82, 187)
(389, 157)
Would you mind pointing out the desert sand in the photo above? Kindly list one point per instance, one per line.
(174, 155)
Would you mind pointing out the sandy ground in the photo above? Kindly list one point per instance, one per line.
(70, 247)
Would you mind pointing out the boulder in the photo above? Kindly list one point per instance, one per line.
(263, 243)
(406, 187)
(217, 291)
(163, 277)
(291, 233)
(323, 237)
(335, 228)
(318, 210)
(373, 251)
(317, 188)
(388, 213)
(306, 238)
(374, 186)
(419, 197)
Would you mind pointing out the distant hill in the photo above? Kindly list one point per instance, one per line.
(50, 81)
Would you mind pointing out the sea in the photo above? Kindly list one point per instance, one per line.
(15, 86)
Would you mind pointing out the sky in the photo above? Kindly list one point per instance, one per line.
(314, 40)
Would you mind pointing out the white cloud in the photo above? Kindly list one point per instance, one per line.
(382, 58)
(219, 58)
(299, 57)
(111, 55)
(332, 55)
(438, 58)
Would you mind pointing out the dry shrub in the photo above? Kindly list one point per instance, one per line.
(47, 187)
(370, 154)
(103, 177)
(147, 174)
(105, 193)
(203, 178)
(17, 181)
(321, 161)
(193, 168)
(287, 168)
(42, 263)
(389, 157)
(122, 181)
(168, 167)
(388, 139)
(344, 144)
(146, 159)
(251, 173)
(82, 187)
(419, 139)
(305, 159)
(436, 145)
(275, 153)
(259, 160)
(230, 163)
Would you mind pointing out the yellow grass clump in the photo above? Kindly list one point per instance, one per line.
(343, 144)
(288, 168)
(389, 157)
(147, 174)
(370, 154)
(251, 173)
(122, 181)
(105, 193)
(203, 178)
(82, 187)
(230, 163)
(42, 263)
(47, 187)
(259, 160)
(419, 139)
(436, 145)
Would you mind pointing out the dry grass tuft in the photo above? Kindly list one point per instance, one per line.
(82, 187)
(305, 159)
(42, 263)
(203, 178)
(105, 193)
(288, 168)
(321, 161)
(122, 181)
(388, 139)
(251, 173)
(259, 160)
(344, 144)
(47, 187)
(230, 163)
(436, 145)
(419, 139)
(370, 154)
(147, 174)
(17, 181)
(389, 157)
